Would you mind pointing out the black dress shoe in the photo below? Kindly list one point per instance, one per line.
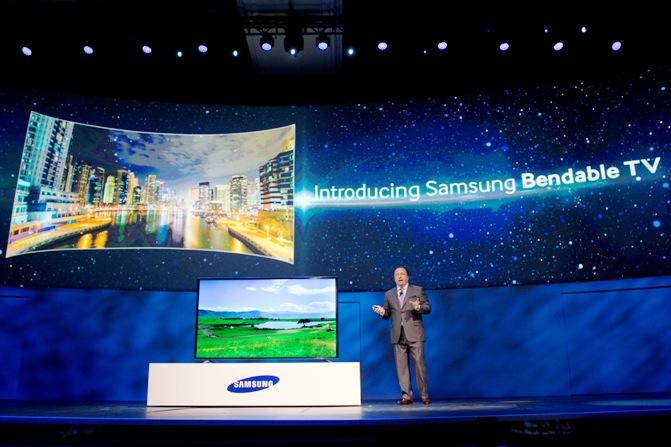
(404, 401)
(426, 400)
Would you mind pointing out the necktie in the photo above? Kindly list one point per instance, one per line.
(401, 298)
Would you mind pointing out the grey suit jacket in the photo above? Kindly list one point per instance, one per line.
(411, 319)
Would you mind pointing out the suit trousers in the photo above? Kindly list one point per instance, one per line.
(416, 349)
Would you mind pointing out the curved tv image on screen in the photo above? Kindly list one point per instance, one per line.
(266, 318)
(88, 187)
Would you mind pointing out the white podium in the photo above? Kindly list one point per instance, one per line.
(254, 384)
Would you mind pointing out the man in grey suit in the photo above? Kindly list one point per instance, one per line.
(405, 304)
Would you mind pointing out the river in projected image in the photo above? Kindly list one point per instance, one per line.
(158, 228)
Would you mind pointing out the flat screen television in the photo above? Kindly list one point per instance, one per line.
(264, 318)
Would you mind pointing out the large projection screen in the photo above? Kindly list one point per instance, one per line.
(87, 187)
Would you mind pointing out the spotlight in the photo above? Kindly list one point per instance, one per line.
(351, 51)
(323, 41)
(235, 53)
(442, 46)
(180, 53)
(505, 46)
(558, 46)
(382, 46)
(267, 41)
(617, 45)
(88, 50)
(146, 49)
(293, 42)
(202, 49)
(26, 51)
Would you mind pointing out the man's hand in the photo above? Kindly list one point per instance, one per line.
(415, 304)
(378, 310)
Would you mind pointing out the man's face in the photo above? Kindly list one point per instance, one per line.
(401, 277)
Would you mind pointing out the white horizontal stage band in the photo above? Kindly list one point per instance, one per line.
(254, 384)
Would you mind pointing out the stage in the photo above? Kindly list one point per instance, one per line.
(534, 421)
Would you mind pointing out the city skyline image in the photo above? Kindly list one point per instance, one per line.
(88, 187)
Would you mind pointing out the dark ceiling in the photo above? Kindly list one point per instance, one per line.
(56, 31)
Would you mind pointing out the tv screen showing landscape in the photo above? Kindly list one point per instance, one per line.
(266, 318)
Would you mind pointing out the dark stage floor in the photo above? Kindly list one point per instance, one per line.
(639, 420)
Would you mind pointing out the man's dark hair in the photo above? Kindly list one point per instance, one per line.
(407, 272)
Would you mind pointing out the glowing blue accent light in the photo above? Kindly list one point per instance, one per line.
(617, 45)
(266, 42)
(558, 46)
(88, 50)
(323, 41)
(146, 49)
(656, 223)
(350, 51)
(382, 46)
(442, 46)
(202, 48)
(505, 46)
(27, 51)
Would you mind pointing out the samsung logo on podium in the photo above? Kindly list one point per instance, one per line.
(251, 384)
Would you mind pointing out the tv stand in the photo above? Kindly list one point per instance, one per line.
(254, 384)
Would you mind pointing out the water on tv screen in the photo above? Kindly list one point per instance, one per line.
(266, 318)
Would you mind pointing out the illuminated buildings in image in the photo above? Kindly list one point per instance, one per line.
(277, 177)
(239, 187)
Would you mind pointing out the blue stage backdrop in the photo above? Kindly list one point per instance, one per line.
(558, 183)
(540, 340)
